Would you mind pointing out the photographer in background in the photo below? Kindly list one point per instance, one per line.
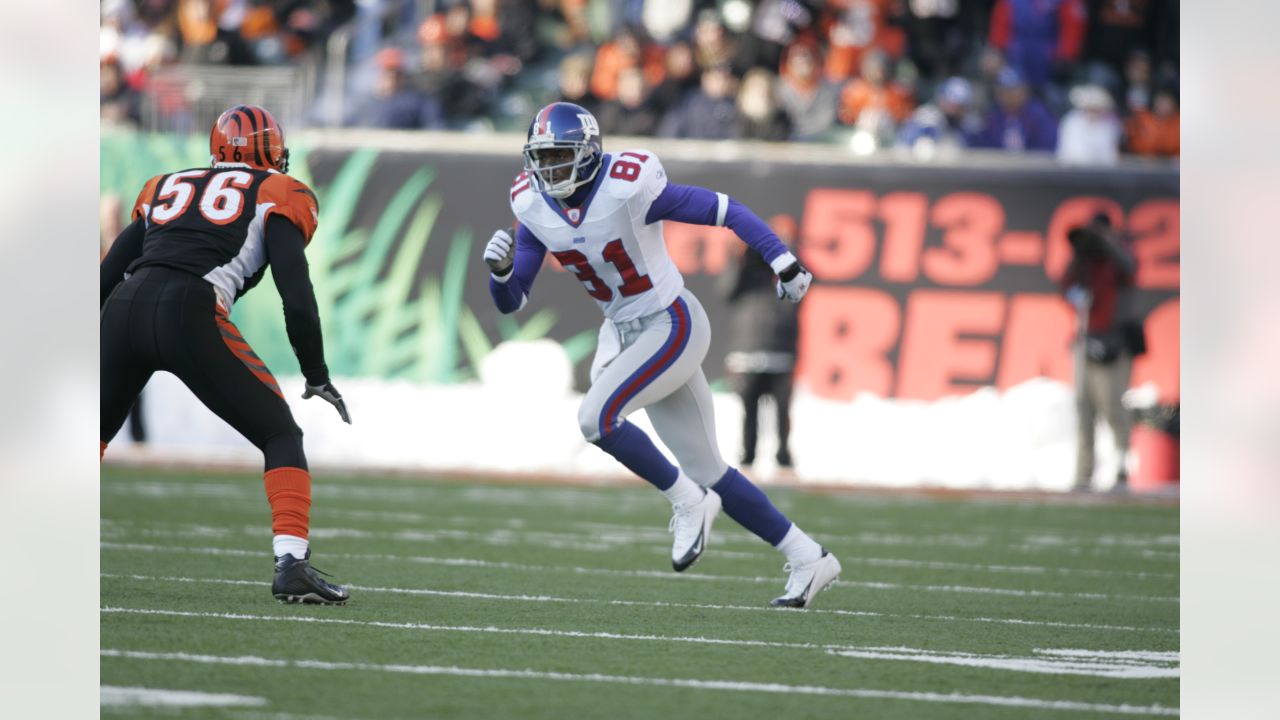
(762, 345)
(1098, 283)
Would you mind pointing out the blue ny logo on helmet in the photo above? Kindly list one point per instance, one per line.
(563, 151)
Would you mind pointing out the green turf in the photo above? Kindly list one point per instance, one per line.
(552, 563)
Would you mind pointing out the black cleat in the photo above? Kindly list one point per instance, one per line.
(297, 582)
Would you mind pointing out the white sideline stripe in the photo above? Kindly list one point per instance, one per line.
(726, 685)
(596, 541)
(1095, 667)
(641, 603)
(1088, 662)
(865, 584)
(111, 695)
(1034, 541)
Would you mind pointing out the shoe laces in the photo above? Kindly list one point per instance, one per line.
(796, 569)
(679, 513)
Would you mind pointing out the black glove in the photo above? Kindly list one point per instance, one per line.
(329, 394)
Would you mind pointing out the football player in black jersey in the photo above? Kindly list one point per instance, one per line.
(200, 239)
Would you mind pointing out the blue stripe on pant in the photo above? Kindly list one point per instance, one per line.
(676, 341)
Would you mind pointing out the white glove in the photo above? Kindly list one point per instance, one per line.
(794, 282)
(499, 252)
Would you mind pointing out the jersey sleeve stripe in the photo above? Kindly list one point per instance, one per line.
(722, 208)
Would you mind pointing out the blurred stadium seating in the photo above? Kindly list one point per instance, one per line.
(867, 73)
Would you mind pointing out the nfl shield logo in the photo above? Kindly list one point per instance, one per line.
(574, 214)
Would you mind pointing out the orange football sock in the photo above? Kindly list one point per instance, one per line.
(102, 450)
(289, 492)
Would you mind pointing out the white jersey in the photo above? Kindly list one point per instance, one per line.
(620, 259)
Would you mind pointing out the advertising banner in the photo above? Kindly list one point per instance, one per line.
(930, 281)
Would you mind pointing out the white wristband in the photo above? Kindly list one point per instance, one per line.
(782, 262)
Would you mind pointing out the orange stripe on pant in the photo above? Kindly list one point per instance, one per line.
(289, 493)
(239, 347)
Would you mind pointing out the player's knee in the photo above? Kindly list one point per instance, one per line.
(589, 420)
(284, 450)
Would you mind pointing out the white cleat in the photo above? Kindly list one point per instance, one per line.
(807, 580)
(692, 527)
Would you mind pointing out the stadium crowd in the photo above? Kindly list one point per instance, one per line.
(1087, 79)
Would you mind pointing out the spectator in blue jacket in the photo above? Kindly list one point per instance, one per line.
(946, 123)
(708, 113)
(1042, 38)
(396, 103)
(1018, 121)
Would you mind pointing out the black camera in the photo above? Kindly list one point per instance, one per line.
(1088, 240)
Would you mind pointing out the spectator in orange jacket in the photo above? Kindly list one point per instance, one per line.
(623, 52)
(859, 27)
(1155, 131)
(873, 93)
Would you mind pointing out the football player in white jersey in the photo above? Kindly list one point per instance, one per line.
(600, 216)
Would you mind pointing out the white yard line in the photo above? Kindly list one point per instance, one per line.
(1030, 541)
(596, 541)
(489, 629)
(639, 603)
(721, 685)
(1095, 667)
(1096, 663)
(114, 696)
(1112, 655)
(258, 715)
(862, 584)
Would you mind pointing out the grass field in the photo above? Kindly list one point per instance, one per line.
(502, 601)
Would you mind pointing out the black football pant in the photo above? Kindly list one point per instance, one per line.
(753, 386)
(165, 319)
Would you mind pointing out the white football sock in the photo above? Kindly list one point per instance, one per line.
(684, 491)
(799, 547)
(290, 544)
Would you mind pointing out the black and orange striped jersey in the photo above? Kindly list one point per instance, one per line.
(211, 222)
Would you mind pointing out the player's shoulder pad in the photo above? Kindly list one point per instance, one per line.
(522, 193)
(142, 206)
(635, 173)
(291, 199)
